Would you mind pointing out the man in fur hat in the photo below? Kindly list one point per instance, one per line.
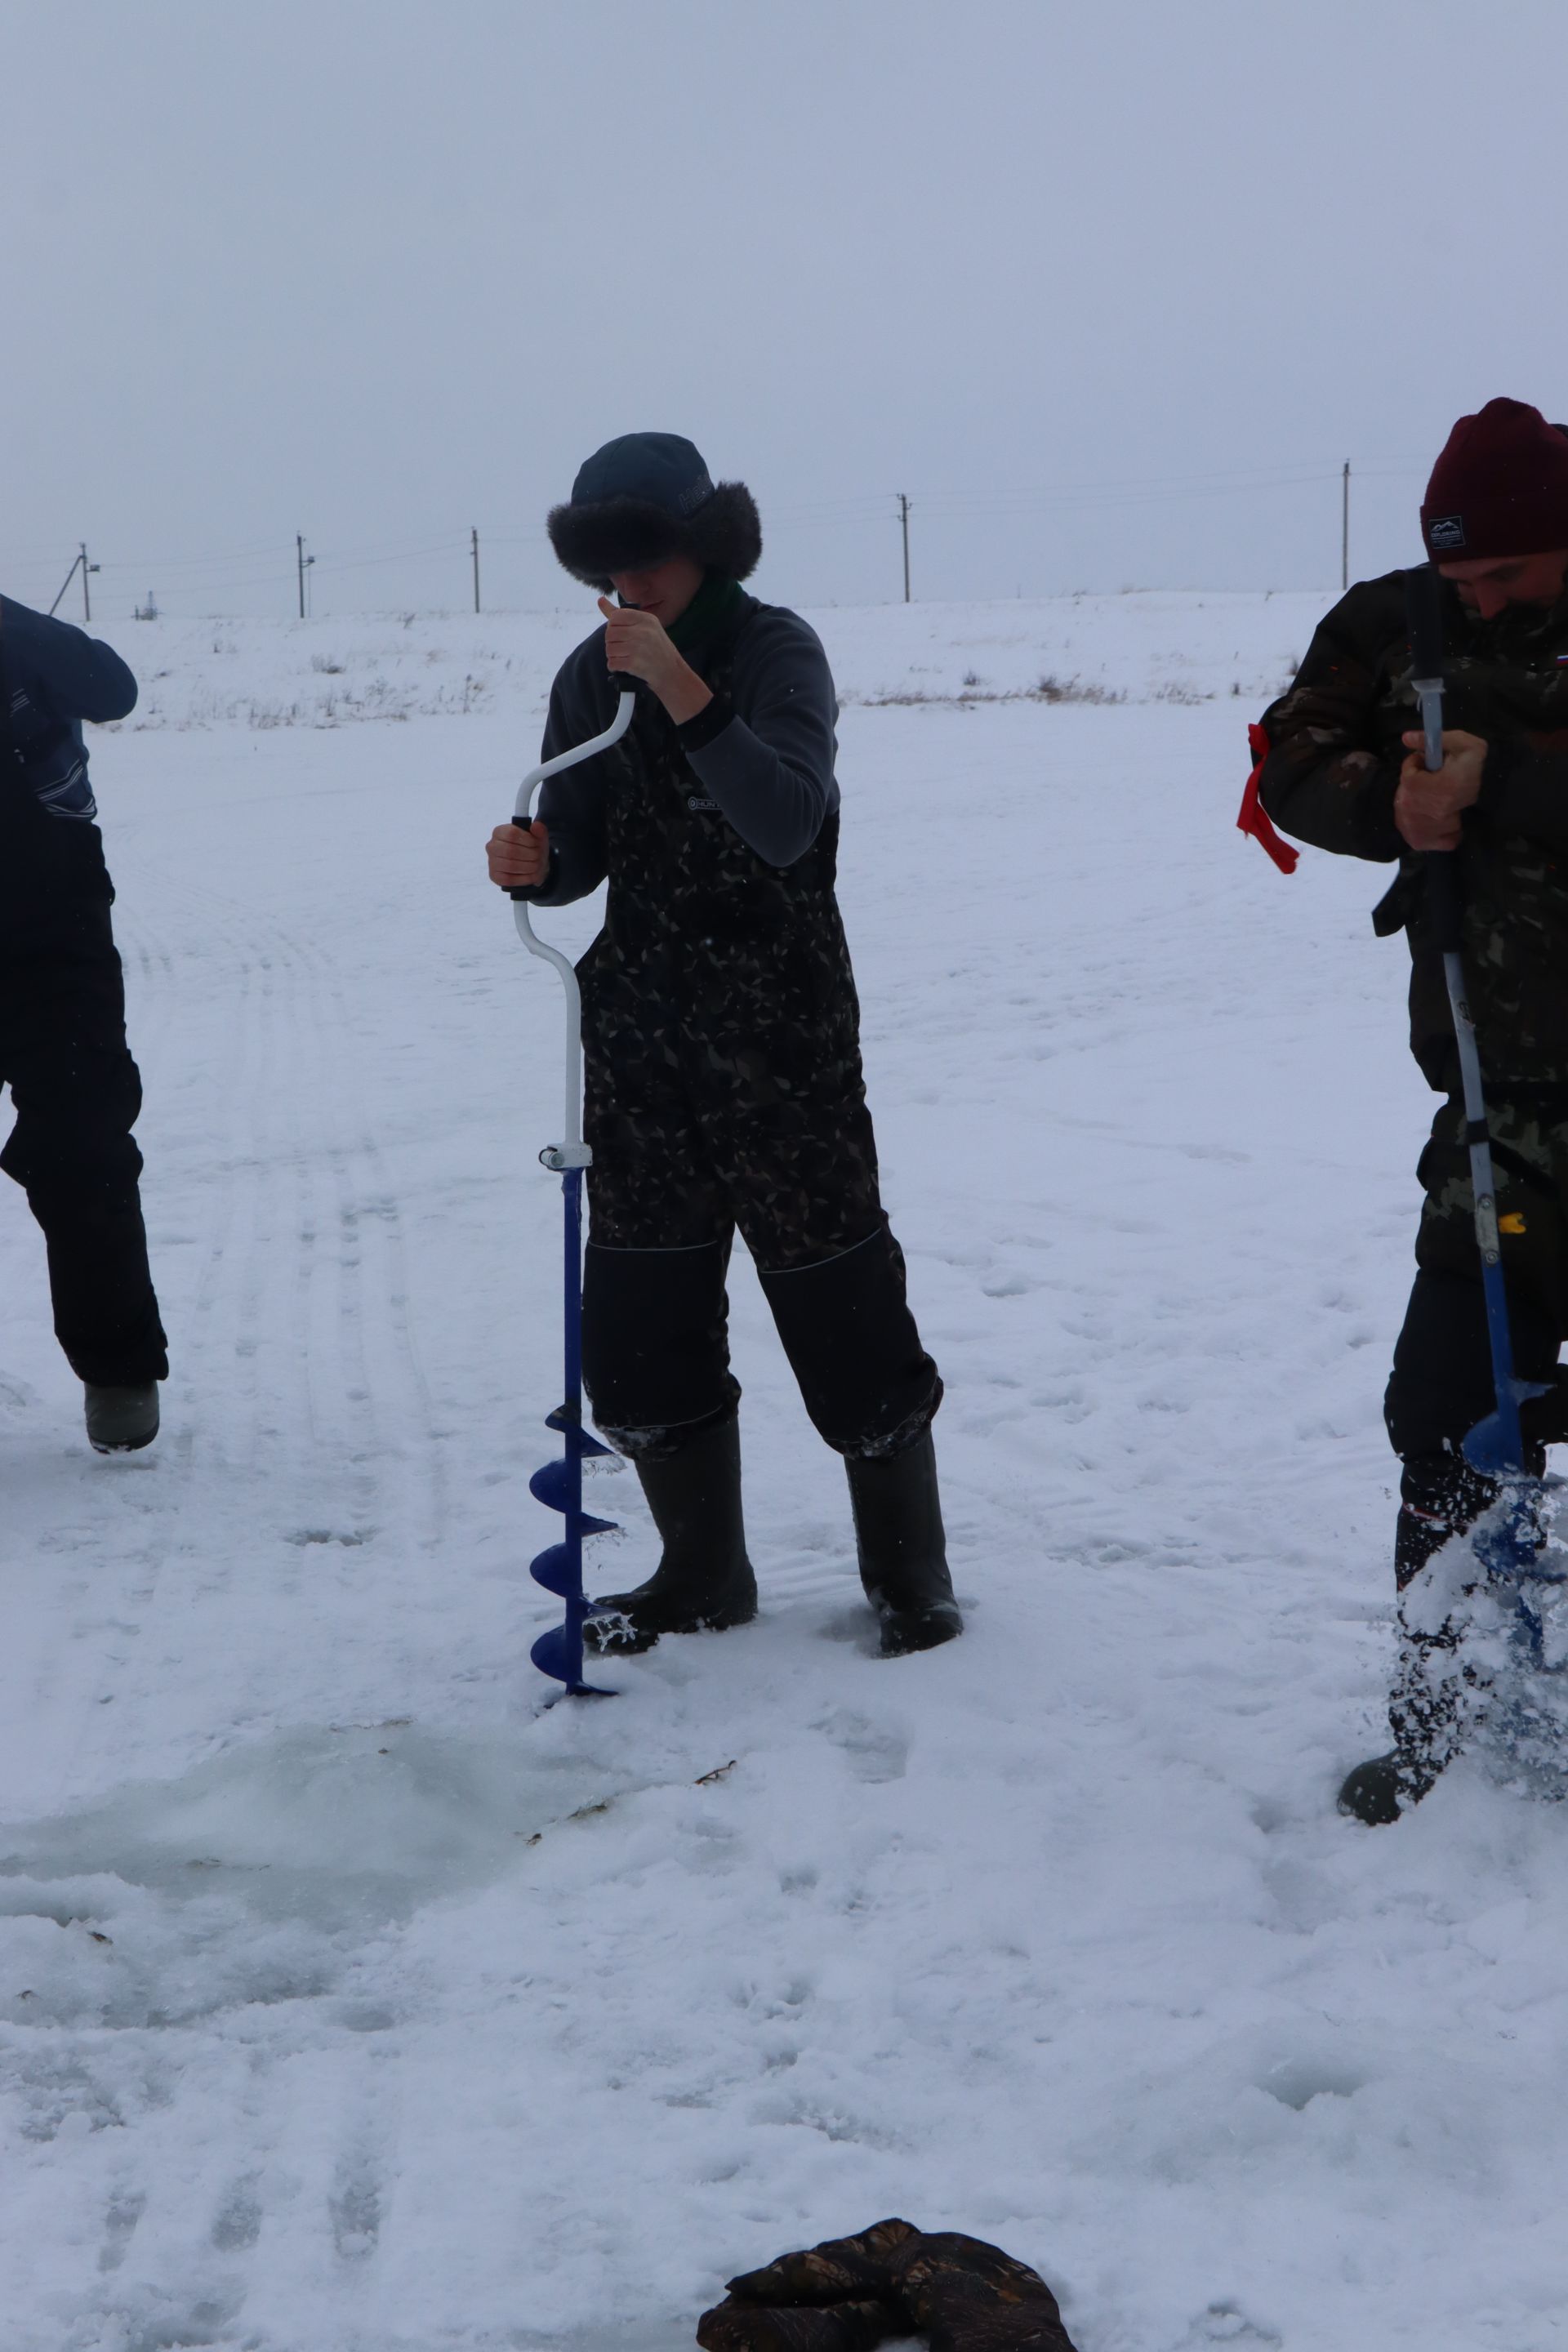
(1343, 769)
(721, 1031)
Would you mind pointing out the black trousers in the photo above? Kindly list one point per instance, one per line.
(77, 1094)
(679, 1165)
(1441, 1384)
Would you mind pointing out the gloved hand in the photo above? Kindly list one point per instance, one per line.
(851, 2293)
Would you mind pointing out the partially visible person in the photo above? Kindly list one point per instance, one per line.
(74, 1087)
(1344, 770)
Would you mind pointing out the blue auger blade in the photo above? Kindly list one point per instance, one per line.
(1489, 1447)
(549, 1653)
(557, 1567)
(554, 1485)
(557, 1571)
(569, 1425)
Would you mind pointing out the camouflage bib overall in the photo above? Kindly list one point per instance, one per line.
(723, 1088)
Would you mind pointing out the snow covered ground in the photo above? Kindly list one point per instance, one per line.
(353, 2000)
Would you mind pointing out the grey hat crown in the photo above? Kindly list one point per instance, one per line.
(658, 469)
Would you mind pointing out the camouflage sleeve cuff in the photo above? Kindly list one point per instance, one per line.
(696, 734)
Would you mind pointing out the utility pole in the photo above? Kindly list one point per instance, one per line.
(1345, 527)
(65, 583)
(474, 535)
(87, 570)
(904, 525)
(304, 562)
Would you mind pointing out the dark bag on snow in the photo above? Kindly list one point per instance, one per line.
(850, 2294)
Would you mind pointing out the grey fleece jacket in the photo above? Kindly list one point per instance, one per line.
(763, 752)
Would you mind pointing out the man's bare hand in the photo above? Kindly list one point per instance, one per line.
(636, 641)
(519, 855)
(1427, 807)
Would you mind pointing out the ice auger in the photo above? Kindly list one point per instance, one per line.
(558, 1485)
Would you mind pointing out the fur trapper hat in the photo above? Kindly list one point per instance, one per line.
(649, 496)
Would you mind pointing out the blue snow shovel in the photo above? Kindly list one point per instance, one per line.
(1526, 1716)
(559, 1485)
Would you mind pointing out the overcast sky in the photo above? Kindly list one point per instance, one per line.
(1111, 287)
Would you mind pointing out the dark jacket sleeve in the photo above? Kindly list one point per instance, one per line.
(767, 755)
(1325, 779)
(571, 807)
(1526, 792)
(78, 676)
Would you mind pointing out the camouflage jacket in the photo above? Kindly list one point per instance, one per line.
(709, 936)
(1330, 779)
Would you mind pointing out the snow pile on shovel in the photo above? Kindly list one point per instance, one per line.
(1503, 1677)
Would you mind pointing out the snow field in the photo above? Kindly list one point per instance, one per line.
(262, 675)
(351, 1998)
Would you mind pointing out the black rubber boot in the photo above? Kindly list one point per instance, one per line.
(1371, 1793)
(120, 1420)
(1427, 1716)
(902, 1550)
(704, 1582)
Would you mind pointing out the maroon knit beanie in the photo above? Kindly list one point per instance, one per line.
(1500, 487)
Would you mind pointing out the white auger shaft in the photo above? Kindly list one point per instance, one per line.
(571, 1152)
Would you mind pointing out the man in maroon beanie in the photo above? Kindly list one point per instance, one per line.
(1343, 771)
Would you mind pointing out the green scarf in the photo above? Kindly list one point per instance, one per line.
(718, 600)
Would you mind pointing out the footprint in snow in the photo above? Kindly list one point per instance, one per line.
(236, 2224)
(871, 1752)
(355, 2208)
(1222, 2322)
(119, 2228)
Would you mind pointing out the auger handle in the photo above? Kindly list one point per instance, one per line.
(522, 812)
(570, 1149)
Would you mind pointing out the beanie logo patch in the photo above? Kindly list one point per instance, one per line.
(1446, 530)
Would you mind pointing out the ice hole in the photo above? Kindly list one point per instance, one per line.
(330, 1827)
(1297, 2082)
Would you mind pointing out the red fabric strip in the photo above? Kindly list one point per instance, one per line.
(1253, 817)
